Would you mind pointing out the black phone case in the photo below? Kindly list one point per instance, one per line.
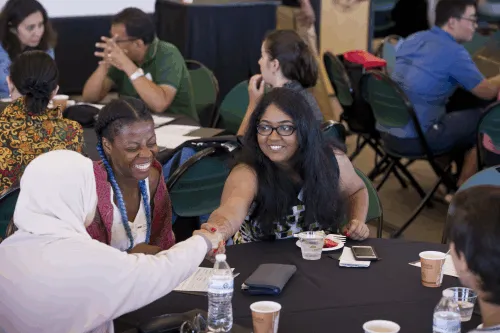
(365, 259)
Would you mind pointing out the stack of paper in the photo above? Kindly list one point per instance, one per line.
(161, 120)
(448, 267)
(179, 129)
(198, 281)
(347, 259)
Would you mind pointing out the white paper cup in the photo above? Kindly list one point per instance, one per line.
(265, 316)
(381, 326)
(60, 100)
(431, 265)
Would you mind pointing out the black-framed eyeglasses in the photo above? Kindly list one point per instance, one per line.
(118, 41)
(283, 130)
(470, 19)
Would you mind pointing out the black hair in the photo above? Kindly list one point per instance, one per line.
(313, 162)
(12, 14)
(473, 226)
(118, 113)
(296, 59)
(447, 9)
(110, 121)
(35, 76)
(137, 23)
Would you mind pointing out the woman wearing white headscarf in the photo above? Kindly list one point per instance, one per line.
(55, 278)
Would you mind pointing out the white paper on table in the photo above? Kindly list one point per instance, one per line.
(448, 267)
(162, 120)
(198, 281)
(347, 259)
(179, 129)
(98, 106)
(171, 141)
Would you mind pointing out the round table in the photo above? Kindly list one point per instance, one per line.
(322, 296)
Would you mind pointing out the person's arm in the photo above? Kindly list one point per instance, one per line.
(466, 73)
(239, 192)
(353, 188)
(256, 87)
(98, 85)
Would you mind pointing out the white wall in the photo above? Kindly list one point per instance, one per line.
(69, 8)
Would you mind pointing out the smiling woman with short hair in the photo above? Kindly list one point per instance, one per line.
(134, 209)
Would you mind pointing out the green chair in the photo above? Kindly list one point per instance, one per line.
(205, 92)
(233, 108)
(196, 186)
(392, 108)
(357, 114)
(382, 15)
(489, 124)
(334, 129)
(375, 212)
(7, 205)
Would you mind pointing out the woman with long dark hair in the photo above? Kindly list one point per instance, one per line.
(286, 61)
(289, 178)
(24, 26)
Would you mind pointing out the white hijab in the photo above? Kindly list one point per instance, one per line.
(55, 278)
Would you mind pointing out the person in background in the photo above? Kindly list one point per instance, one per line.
(55, 278)
(474, 234)
(134, 209)
(430, 65)
(286, 61)
(489, 8)
(289, 178)
(24, 25)
(142, 66)
(27, 127)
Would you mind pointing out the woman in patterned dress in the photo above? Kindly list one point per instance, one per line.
(289, 178)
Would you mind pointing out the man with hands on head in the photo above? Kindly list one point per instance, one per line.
(140, 65)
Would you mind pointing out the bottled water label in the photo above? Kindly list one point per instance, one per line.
(446, 323)
(220, 286)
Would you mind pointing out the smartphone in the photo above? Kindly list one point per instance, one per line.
(364, 253)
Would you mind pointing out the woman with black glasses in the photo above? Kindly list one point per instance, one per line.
(289, 178)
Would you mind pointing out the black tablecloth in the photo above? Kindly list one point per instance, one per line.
(323, 297)
(90, 137)
(225, 35)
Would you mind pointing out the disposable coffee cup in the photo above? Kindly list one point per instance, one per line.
(265, 316)
(381, 326)
(60, 100)
(431, 263)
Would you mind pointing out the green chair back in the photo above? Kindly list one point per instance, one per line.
(390, 107)
(383, 5)
(205, 91)
(333, 129)
(375, 213)
(7, 205)
(200, 181)
(339, 79)
(489, 124)
(233, 108)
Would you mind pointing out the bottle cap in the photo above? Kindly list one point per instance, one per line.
(222, 257)
(448, 293)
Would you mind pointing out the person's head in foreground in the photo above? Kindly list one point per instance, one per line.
(34, 75)
(286, 57)
(285, 146)
(134, 31)
(50, 260)
(473, 229)
(24, 24)
(458, 18)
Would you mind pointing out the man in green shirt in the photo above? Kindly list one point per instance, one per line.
(140, 65)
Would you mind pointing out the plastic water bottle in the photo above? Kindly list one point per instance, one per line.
(446, 315)
(220, 293)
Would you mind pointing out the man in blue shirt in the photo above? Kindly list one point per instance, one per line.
(430, 66)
